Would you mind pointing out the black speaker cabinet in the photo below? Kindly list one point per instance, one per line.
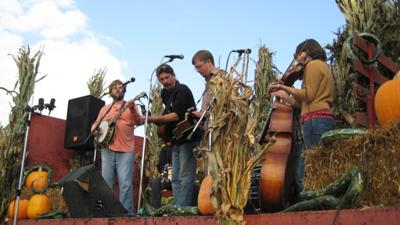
(87, 195)
(82, 112)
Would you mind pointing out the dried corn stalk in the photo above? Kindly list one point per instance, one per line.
(96, 83)
(11, 148)
(232, 157)
(264, 76)
(154, 141)
(377, 17)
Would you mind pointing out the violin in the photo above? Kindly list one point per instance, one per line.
(293, 73)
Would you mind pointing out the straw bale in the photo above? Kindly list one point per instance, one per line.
(377, 154)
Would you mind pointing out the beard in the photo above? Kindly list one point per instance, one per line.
(118, 97)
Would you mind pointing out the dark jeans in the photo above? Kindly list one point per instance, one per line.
(314, 128)
(312, 131)
(183, 173)
(157, 187)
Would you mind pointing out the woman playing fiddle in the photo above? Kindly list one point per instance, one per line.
(315, 98)
(316, 93)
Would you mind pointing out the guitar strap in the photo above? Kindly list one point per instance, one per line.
(119, 112)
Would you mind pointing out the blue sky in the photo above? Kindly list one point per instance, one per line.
(130, 38)
(147, 30)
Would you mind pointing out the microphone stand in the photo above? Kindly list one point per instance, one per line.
(21, 174)
(145, 131)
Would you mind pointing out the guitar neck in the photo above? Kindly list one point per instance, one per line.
(119, 113)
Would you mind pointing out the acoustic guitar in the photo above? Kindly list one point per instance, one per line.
(183, 128)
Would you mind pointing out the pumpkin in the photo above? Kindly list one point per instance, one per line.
(204, 198)
(22, 209)
(387, 102)
(38, 178)
(38, 204)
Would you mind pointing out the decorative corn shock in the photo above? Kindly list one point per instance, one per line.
(11, 148)
(232, 157)
(155, 141)
(96, 83)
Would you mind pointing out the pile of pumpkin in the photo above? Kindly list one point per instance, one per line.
(37, 180)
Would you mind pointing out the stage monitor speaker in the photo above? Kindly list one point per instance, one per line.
(87, 195)
(82, 112)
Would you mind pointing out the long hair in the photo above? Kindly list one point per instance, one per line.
(312, 48)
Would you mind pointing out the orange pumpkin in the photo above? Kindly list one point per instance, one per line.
(387, 102)
(204, 198)
(38, 204)
(22, 209)
(37, 180)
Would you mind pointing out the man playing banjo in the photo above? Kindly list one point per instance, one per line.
(116, 140)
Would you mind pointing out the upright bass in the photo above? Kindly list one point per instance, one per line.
(276, 176)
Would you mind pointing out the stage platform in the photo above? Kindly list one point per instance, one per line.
(376, 216)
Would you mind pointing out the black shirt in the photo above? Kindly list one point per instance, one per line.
(178, 100)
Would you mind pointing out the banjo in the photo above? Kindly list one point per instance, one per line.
(107, 128)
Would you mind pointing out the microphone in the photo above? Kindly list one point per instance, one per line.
(129, 81)
(140, 95)
(41, 104)
(174, 56)
(50, 106)
(241, 51)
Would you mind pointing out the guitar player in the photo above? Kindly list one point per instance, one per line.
(177, 99)
(118, 154)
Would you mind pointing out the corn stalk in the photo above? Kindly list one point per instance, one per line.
(232, 159)
(96, 83)
(154, 141)
(264, 76)
(378, 17)
(11, 146)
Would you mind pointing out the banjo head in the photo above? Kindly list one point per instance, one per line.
(104, 130)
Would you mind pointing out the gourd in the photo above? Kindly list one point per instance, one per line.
(387, 102)
(204, 198)
(38, 178)
(38, 204)
(22, 209)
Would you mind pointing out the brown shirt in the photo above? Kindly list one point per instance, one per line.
(317, 90)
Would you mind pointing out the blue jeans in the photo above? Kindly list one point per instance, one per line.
(183, 173)
(122, 163)
(314, 128)
(299, 166)
(312, 131)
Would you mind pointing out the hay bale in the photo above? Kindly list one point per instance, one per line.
(377, 154)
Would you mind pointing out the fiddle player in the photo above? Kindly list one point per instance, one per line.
(315, 97)
(118, 155)
(177, 99)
